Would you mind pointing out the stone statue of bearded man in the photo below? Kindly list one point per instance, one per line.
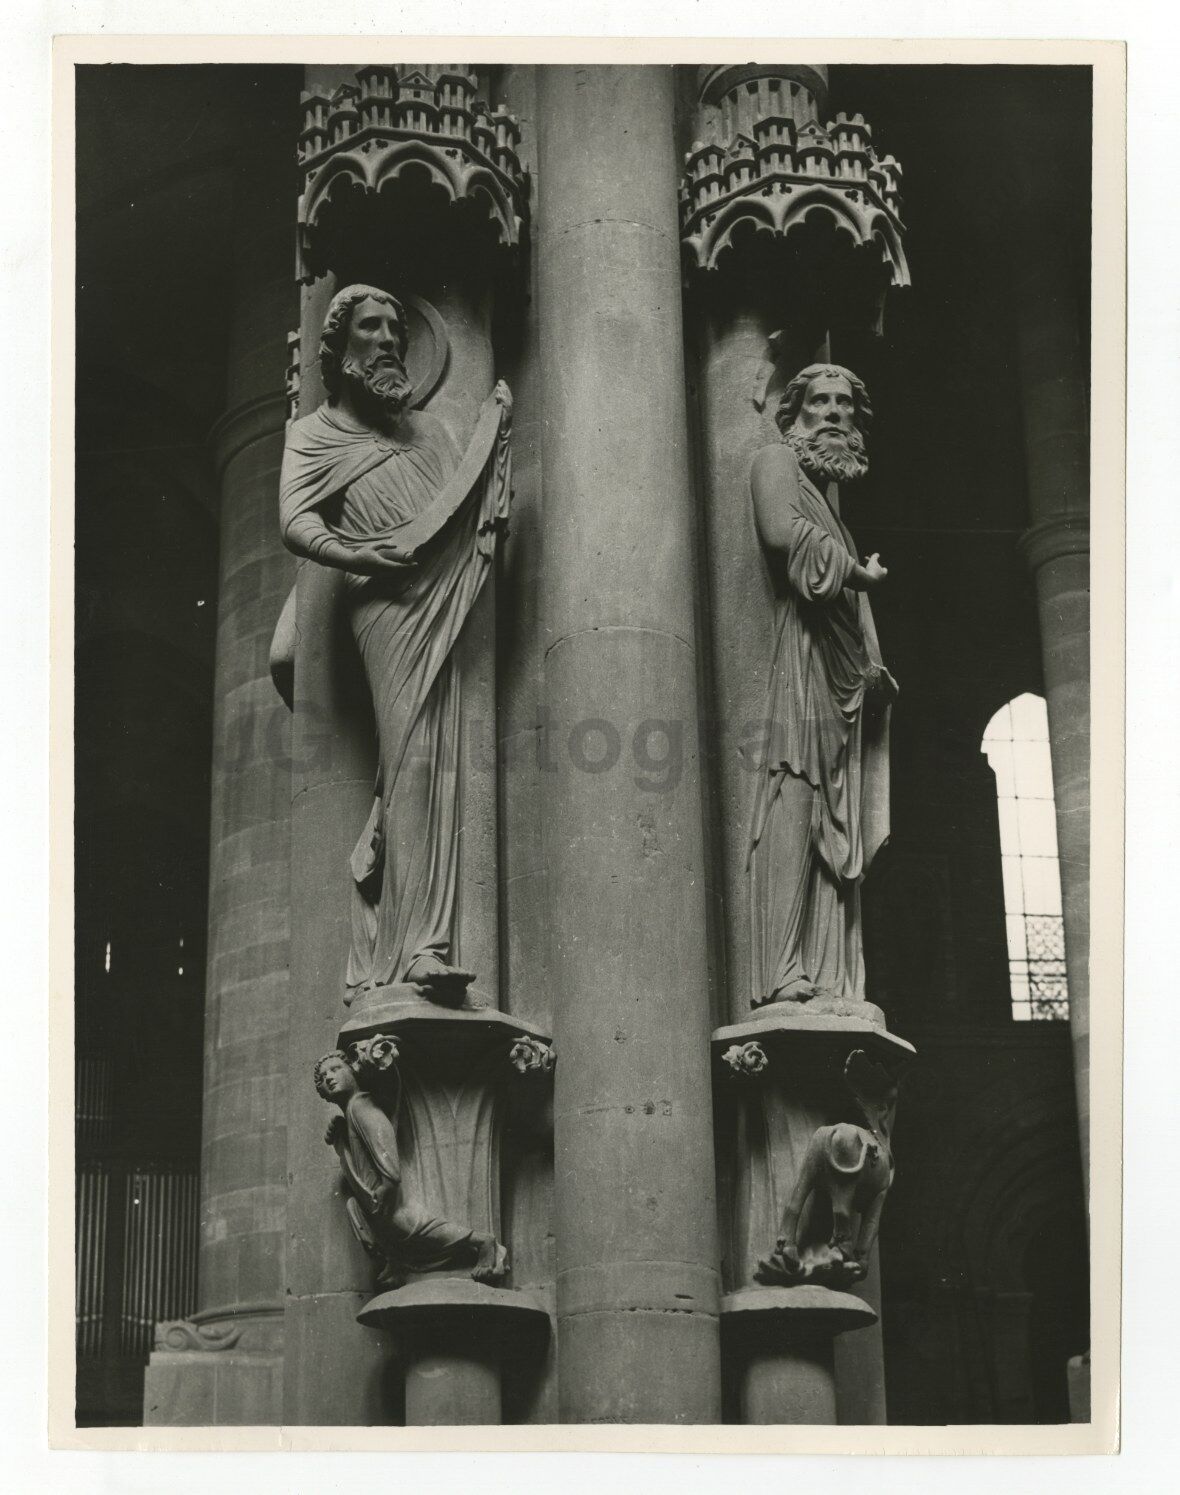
(821, 809)
(383, 493)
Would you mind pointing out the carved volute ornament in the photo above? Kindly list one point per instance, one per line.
(395, 1228)
(384, 492)
(821, 807)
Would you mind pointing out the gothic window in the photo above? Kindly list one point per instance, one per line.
(1017, 746)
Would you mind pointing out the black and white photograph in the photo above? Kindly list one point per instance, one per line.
(581, 779)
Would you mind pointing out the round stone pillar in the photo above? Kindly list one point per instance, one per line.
(734, 327)
(448, 1386)
(243, 1145)
(637, 1279)
(451, 1335)
(334, 1369)
(765, 287)
(1057, 549)
(243, 1138)
(800, 1377)
(338, 1370)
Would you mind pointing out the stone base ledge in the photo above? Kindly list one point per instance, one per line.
(229, 1388)
(456, 1301)
(402, 1009)
(795, 1312)
(794, 1026)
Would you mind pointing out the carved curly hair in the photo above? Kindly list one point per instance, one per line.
(317, 1073)
(334, 333)
(792, 397)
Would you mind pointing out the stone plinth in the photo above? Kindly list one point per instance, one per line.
(782, 1340)
(451, 1334)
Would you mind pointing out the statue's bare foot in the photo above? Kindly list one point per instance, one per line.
(492, 1263)
(438, 981)
(782, 1267)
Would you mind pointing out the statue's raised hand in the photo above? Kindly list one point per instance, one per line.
(337, 1132)
(503, 397)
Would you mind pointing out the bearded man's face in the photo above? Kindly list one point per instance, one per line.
(824, 436)
(372, 362)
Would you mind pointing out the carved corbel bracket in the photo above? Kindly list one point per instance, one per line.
(807, 1100)
(438, 1086)
(366, 136)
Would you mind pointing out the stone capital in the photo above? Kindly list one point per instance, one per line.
(1064, 534)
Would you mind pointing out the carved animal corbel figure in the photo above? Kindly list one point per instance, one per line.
(830, 1222)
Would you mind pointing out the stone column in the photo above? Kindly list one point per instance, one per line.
(1057, 549)
(224, 1366)
(334, 1369)
(524, 943)
(339, 1367)
(765, 182)
(735, 325)
(637, 1279)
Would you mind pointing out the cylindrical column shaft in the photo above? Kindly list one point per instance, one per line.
(733, 353)
(1057, 548)
(244, 1131)
(792, 1384)
(449, 1385)
(859, 1360)
(334, 760)
(637, 1292)
(334, 1370)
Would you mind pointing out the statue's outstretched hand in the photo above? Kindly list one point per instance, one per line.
(337, 1132)
(874, 570)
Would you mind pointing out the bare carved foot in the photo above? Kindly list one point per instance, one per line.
(492, 1263)
(438, 981)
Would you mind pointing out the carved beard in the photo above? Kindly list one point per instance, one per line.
(831, 458)
(380, 388)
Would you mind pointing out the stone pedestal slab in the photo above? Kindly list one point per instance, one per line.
(451, 1334)
(782, 1341)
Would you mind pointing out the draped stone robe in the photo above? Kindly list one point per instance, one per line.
(821, 805)
(413, 489)
(393, 1218)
